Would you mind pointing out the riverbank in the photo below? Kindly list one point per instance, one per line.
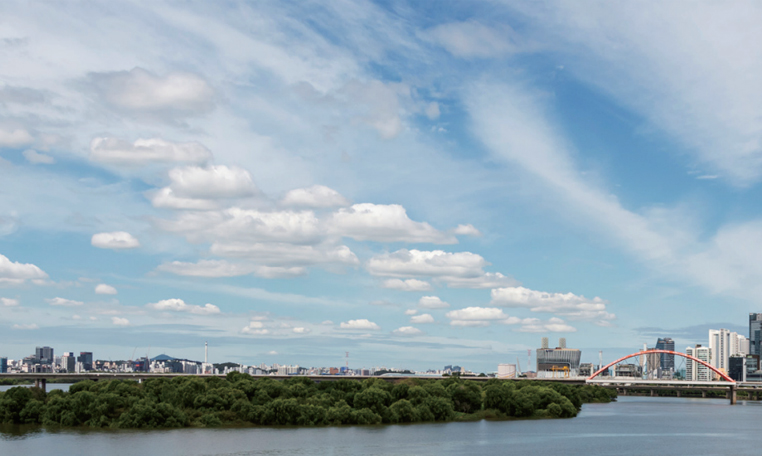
(241, 400)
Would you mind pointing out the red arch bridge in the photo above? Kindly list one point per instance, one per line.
(625, 383)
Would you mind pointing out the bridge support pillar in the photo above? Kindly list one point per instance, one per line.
(679, 393)
(41, 383)
(703, 394)
(653, 393)
(733, 395)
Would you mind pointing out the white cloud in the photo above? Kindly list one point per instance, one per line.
(165, 198)
(256, 328)
(211, 182)
(279, 272)
(37, 158)
(301, 330)
(283, 254)
(384, 223)
(436, 263)
(105, 289)
(317, 196)
(64, 302)
(178, 305)
(23, 327)
(474, 40)
(363, 324)
(14, 137)
(411, 312)
(432, 302)
(423, 318)
(467, 230)
(480, 316)
(15, 273)
(119, 321)
(486, 280)
(9, 302)
(407, 331)
(407, 285)
(535, 325)
(566, 304)
(272, 352)
(116, 151)
(207, 268)
(116, 240)
(141, 91)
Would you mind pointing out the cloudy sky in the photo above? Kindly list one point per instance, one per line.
(418, 184)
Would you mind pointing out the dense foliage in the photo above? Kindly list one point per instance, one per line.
(239, 399)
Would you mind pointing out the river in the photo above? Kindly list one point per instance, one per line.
(632, 426)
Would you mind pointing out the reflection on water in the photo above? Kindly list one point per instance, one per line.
(632, 426)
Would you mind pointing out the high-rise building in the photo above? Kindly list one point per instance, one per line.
(695, 371)
(755, 334)
(69, 362)
(723, 344)
(3, 365)
(86, 358)
(737, 367)
(667, 360)
(43, 355)
(557, 362)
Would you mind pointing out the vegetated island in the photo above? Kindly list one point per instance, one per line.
(240, 400)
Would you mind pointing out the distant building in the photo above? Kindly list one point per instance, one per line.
(667, 361)
(86, 358)
(506, 371)
(723, 344)
(586, 369)
(695, 371)
(628, 370)
(737, 367)
(755, 334)
(69, 362)
(3, 365)
(44, 355)
(653, 365)
(557, 362)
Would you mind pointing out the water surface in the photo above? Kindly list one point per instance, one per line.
(631, 426)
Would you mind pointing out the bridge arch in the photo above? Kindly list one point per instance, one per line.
(668, 352)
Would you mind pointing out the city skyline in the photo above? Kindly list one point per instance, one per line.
(396, 180)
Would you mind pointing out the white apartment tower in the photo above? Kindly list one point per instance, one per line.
(695, 371)
(724, 343)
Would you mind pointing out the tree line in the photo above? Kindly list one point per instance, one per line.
(240, 399)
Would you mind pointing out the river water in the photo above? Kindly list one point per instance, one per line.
(631, 426)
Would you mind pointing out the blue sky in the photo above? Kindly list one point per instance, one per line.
(419, 183)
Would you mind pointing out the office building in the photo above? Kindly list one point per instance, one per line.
(86, 358)
(3, 365)
(695, 371)
(755, 334)
(69, 362)
(44, 355)
(737, 367)
(667, 363)
(653, 365)
(557, 362)
(723, 344)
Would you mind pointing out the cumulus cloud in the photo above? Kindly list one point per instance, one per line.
(279, 272)
(363, 324)
(486, 280)
(105, 289)
(116, 151)
(15, 273)
(535, 325)
(116, 240)
(407, 285)
(317, 196)
(284, 254)
(255, 327)
(472, 39)
(165, 198)
(119, 321)
(23, 327)
(178, 305)
(480, 316)
(301, 330)
(211, 182)
(423, 318)
(407, 331)
(140, 91)
(207, 268)
(37, 158)
(384, 223)
(14, 137)
(9, 302)
(64, 302)
(432, 302)
(411, 312)
(467, 230)
(565, 304)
